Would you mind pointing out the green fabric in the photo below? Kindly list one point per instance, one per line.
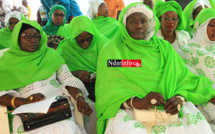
(19, 68)
(5, 34)
(76, 57)
(162, 70)
(108, 26)
(51, 29)
(203, 16)
(163, 7)
(188, 10)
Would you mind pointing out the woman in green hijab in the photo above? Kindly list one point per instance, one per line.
(200, 52)
(56, 28)
(28, 75)
(5, 33)
(80, 51)
(137, 70)
(193, 9)
(172, 23)
(98, 12)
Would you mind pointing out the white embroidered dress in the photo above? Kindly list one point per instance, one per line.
(182, 38)
(52, 86)
(199, 54)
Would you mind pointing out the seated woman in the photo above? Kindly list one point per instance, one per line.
(5, 33)
(149, 3)
(160, 79)
(28, 75)
(172, 24)
(192, 10)
(56, 28)
(80, 51)
(98, 12)
(200, 52)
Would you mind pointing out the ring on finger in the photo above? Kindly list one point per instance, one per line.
(153, 101)
(178, 107)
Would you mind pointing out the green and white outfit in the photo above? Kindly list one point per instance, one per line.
(162, 70)
(182, 37)
(107, 26)
(200, 55)
(189, 9)
(51, 29)
(43, 71)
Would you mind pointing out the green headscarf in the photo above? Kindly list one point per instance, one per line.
(162, 70)
(51, 29)
(76, 57)
(205, 15)
(108, 26)
(5, 33)
(188, 12)
(163, 7)
(19, 68)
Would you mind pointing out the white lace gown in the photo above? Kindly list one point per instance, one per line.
(182, 38)
(52, 86)
(192, 122)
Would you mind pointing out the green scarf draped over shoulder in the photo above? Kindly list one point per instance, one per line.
(51, 29)
(19, 68)
(76, 57)
(162, 70)
(163, 7)
(5, 34)
(108, 26)
(188, 10)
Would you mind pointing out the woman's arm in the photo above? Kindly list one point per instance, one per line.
(11, 101)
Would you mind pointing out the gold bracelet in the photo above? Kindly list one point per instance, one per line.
(12, 102)
(78, 95)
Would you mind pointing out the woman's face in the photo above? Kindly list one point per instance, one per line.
(149, 3)
(197, 11)
(169, 21)
(12, 22)
(84, 39)
(103, 10)
(211, 30)
(137, 25)
(29, 40)
(58, 17)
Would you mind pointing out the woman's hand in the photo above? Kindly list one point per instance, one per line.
(84, 76)
(83, 106)
(173, 105)
(213, 100)
(34, 98)
(150, 100)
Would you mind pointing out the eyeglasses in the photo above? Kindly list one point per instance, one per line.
(169, 19)
(28, 37)
(89, 39)
(61, 15)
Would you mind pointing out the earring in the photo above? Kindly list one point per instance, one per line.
(97, 15)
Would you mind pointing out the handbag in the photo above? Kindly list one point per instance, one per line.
(157, 116)
(59, 110)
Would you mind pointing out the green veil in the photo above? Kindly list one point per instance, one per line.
(188, 10)
(162, 7)
(19, 68)
(5, 33)
(108, 26)
(51, 29)
(162, 70)
(76, 57)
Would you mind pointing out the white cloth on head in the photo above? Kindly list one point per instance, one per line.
(201, 36)
(24, 10)
(141, 8)
(202, 3)
(13, 14)
(93, 7)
